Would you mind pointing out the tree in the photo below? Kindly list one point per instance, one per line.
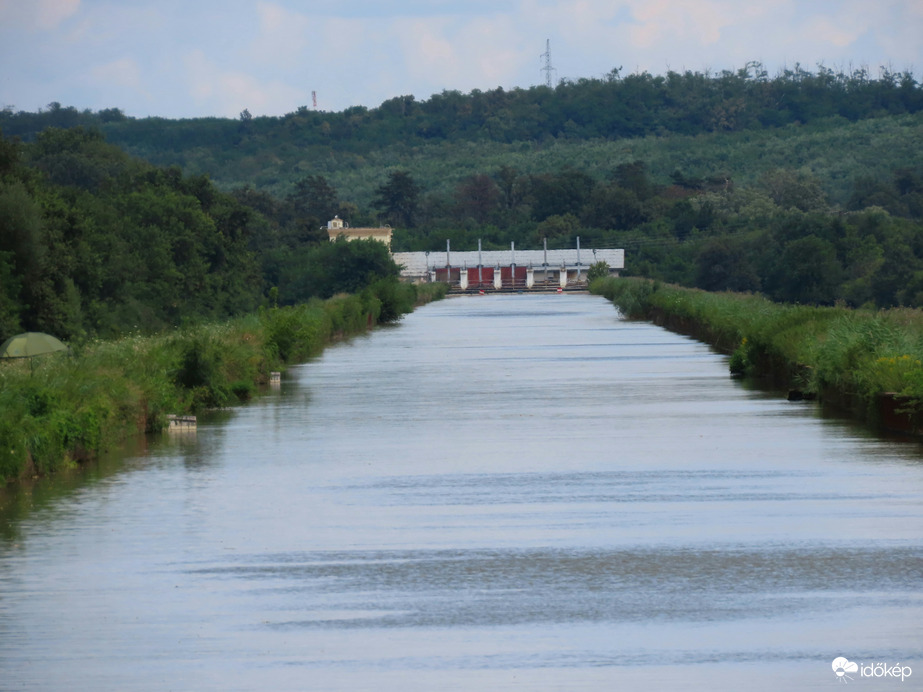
(561, 193)
(794, 189)
(338, 267)
(314, 198)
(633, 176)
(22, 252)
(597, 270)
(10, 288)
(398, 199)
(477, 197)
(614, 207)
(809, 272)
(558, 229)
(510, 186)
(724, 264)
(10, 154)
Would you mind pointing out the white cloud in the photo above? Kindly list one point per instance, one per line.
(667, 21)
(123, 72)
(283, 35)
(428, 53)
(37, 15)
(209, 57)
(228, 92)
(53, 12)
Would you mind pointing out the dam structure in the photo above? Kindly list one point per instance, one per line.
(507, 270)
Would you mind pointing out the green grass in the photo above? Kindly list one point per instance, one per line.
(844, 356)
(69, 407)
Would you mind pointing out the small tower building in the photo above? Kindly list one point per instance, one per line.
(336, 227)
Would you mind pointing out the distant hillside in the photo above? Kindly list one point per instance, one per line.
(712, 123)
(807, 187)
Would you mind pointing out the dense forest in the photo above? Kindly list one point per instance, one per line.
(470, 130)
(806, 186)
(94, 242)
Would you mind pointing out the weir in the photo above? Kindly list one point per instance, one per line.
(504, 270)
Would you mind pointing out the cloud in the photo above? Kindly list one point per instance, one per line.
(429, 53)
(123, 72)
(37, 15)
(826, 31)
(214, 57)
(283, 35)
(496, 51)
(661, 21)
(394, 9)
(228, 92)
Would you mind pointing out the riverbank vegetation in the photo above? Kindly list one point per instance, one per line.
(144, 243)
(173, 296)
(66, 408)
(869, 362)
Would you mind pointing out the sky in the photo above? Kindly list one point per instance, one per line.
(200, 58)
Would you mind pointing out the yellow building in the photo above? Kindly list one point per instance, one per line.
(337, 227)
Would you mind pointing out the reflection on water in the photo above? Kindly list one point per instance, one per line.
(547, 586)
(517, 492)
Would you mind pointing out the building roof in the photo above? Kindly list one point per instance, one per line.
(419, 263)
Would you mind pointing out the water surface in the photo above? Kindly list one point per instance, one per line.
(501, 492)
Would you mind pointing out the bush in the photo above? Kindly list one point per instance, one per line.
(73, 407)
(396, 298)
(851, 357)
(200, 372)
(597, 270)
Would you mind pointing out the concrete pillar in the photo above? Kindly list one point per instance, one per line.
(463, 278)
(578, 259)
(498, 281)
(480, 268)
(563, 277)
(530, 278)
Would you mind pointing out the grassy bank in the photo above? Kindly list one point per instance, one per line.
(67, 408)
(867, 362)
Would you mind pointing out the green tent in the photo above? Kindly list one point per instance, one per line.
(29, 345)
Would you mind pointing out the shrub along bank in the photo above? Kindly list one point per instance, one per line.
(67, 408)
(867, 362)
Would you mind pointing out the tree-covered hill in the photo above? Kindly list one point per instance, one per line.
(806, 186)
(272, 153)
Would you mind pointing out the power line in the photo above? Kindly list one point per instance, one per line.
(547, 69)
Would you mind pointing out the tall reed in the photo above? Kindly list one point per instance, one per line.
(851, 358)
(69, 407)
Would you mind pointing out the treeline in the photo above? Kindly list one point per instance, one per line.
(272, 153)
(808, 189)
(94, 242)
(782, 235)
(615, 106)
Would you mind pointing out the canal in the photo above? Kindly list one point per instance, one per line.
(500, 493)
